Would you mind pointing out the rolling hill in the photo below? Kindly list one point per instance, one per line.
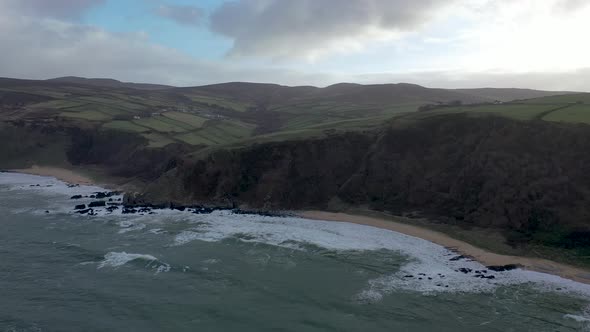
(229, 113)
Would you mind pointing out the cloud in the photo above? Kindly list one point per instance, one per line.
(185, 15)
(45, 48)
(310, 28)
(62, 9)
(571, 5)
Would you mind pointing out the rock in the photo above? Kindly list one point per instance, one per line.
(502, 268)
(456, 258)
(112, 208)
(97, 204)
(408, 276)
(46, 211)
(106, 194)
(80, 207)
(129, 210)
(76, 197)
(464, 270)
(203, 210)
(85, 211)
(92, 196)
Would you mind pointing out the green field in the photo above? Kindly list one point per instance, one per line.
(513, 111)
(189, 119)
(86, 115)
(125, 126)
(225, 103)
(161, 124)
(573, 114)
(561, 99)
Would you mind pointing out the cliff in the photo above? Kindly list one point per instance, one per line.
(531, 179)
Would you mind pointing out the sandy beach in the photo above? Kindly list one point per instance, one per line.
(62, 174)
(485, 257)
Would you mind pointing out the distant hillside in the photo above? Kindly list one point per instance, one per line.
(108, 82)
(244, 113)
(364, 94)
(510, 94)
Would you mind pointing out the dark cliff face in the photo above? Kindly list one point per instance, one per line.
(285, 175)
(116, 153)
(529, 178)
(121, 154)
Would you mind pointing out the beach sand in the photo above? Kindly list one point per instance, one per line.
(62, 174)
(484, 257)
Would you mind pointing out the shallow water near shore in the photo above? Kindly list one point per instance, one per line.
(179, 271)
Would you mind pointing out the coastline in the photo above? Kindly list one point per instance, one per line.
(62, 174)
(485, 257)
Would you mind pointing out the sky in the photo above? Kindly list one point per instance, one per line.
(540, 44)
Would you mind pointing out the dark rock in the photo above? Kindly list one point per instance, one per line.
(456, 258)
(408, 276)
(203, 210)
(46, 211)
(80, 207)
(76, 197)
(85, 211)
(129, 210)
(501, 268)
(97, 204)
(112, 208)
(464, 270)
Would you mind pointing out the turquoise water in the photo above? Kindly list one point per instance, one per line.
(177, 271)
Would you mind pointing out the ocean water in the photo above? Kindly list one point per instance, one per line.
(178, 271)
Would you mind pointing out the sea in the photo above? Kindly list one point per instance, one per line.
(181, 271)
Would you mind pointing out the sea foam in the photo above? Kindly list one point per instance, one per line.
(118, 259)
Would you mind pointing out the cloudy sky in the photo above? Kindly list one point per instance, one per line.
(438, 43)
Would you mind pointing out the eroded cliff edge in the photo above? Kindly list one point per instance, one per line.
(530, 178)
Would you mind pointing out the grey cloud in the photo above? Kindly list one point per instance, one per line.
(41, 49)
(571, 5)
(186, 15)
(62, 9)
(289, 28)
